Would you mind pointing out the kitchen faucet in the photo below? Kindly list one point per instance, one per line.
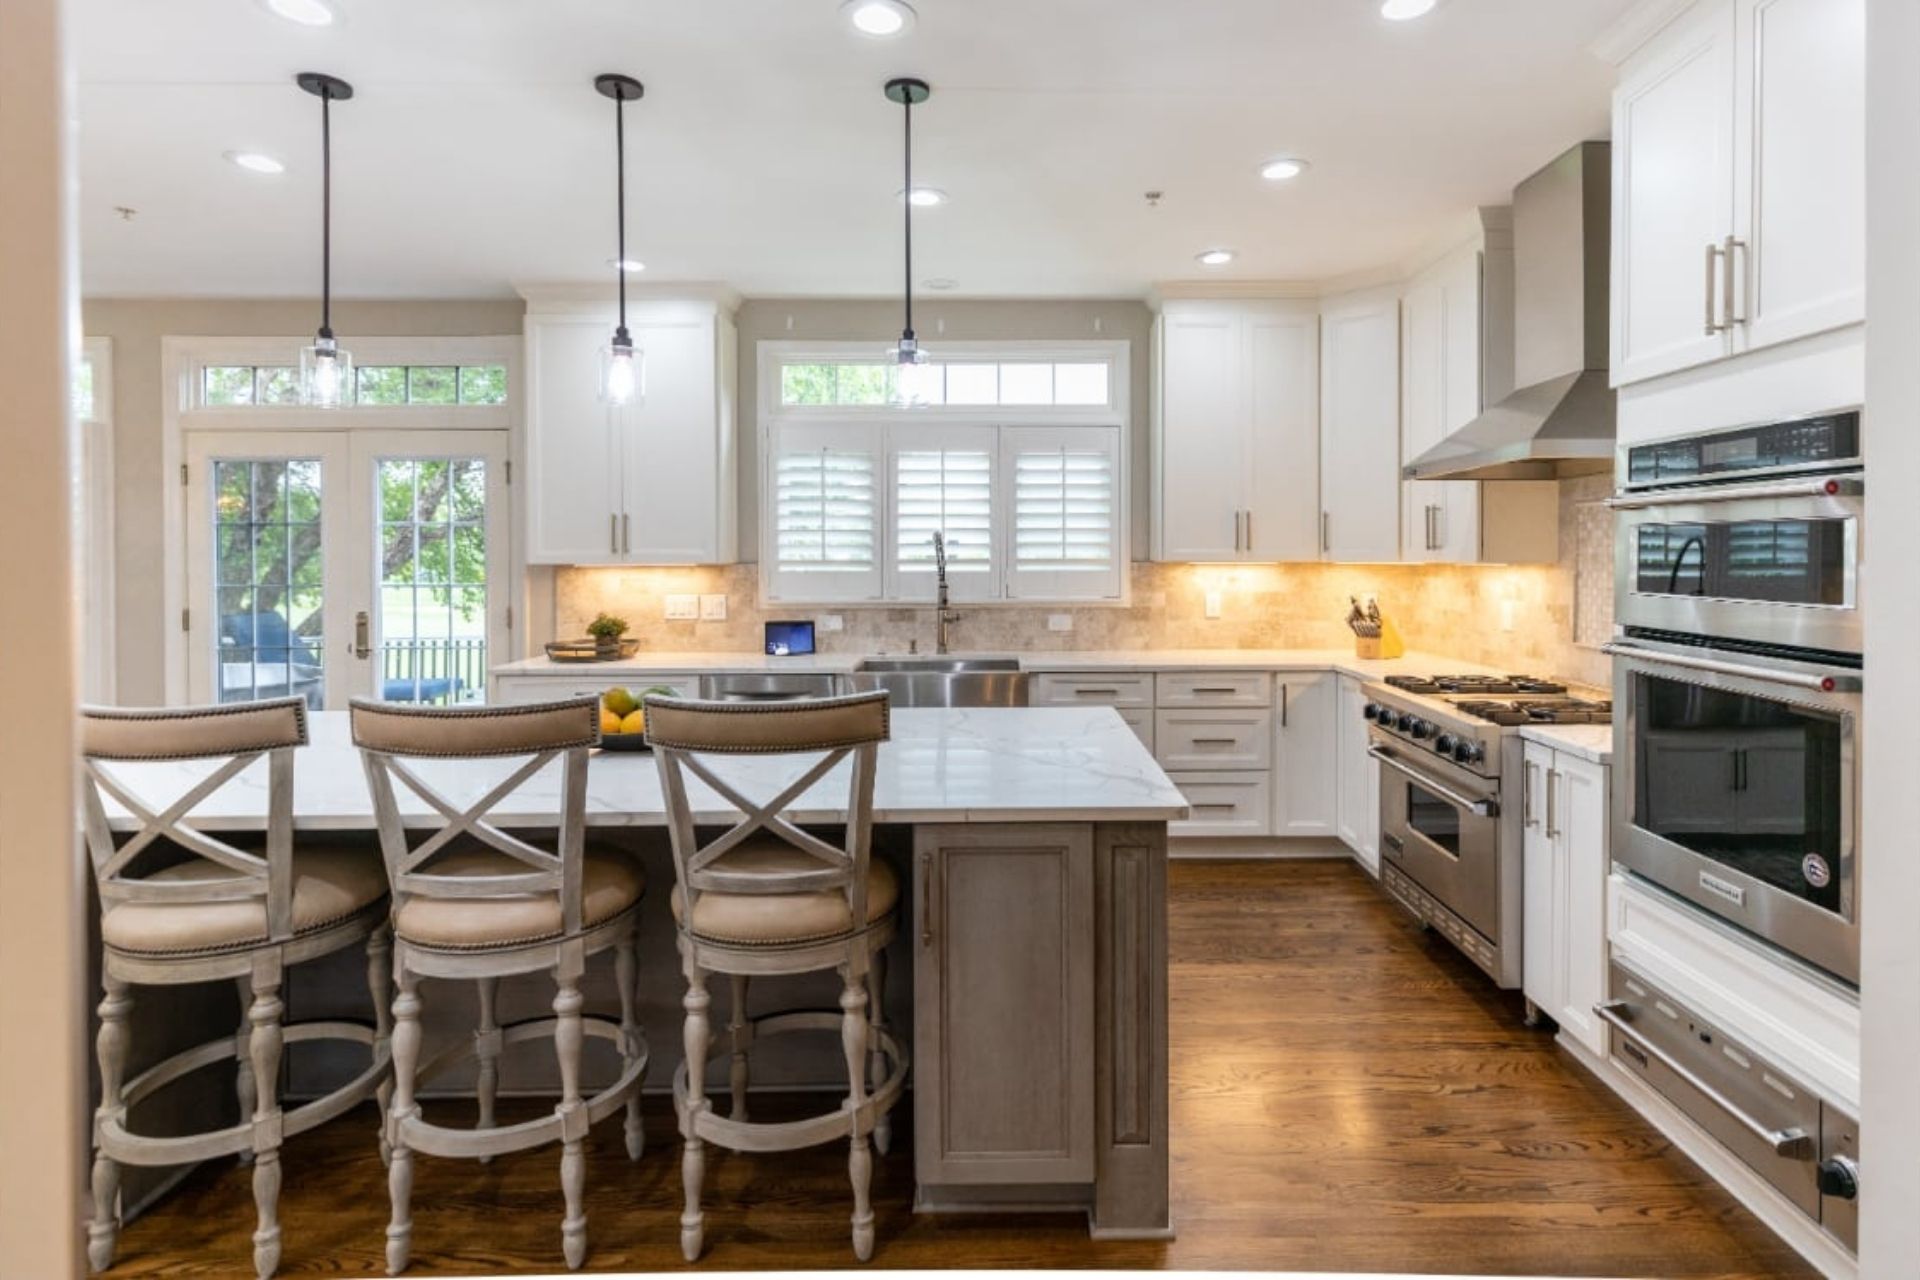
(943, 617)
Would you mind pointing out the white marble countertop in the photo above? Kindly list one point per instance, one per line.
(697, 663)
(1588, 741)
(1039, 764)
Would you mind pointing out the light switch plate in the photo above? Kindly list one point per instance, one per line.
(830, 622)
(1059, 622)
(1213, 604)
(713, 608)
(683, 608)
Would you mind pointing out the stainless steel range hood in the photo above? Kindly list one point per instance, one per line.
(1561, 420)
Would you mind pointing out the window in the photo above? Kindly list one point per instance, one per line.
(943, 483)
(864, 384)
(226, 385)
(825, 512)
(1063, 484)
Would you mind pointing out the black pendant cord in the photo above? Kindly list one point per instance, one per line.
(907, 200)
(620, 201)
(326, 212)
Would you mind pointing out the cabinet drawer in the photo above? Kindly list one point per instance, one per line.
(1214, 689)
(1213, 739)
(1224, 804)
(1140, 720)
(547, 688)
(1093, 689)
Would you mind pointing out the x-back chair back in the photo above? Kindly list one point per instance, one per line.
(835, 729)
(388, 736)
(237, 734)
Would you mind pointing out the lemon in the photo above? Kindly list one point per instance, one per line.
(609, 722)
(619, 700)
(635, 722)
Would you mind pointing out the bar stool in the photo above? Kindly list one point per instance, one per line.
(767, 898)
(473, 902)
(179, 906)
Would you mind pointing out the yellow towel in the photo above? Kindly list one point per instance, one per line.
(1391, 644)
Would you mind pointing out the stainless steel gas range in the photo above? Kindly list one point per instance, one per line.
(1450, 775)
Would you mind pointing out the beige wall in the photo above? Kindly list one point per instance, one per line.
(934, 320)
(136, 327)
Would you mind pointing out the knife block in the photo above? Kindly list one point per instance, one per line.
(1387, 644)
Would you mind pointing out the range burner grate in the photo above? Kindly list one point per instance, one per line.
(1475, 684)
(1520, 711)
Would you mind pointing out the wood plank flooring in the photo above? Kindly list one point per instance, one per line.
(1348, 1095)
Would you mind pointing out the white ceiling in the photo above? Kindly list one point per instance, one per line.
(477, 153)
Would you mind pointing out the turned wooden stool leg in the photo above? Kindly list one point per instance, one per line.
(568, 1035)
(626, 970)
(380, 987)
(263, 1046)
(876, 1059)
(737, 1037)
(406, 1060)
(853, 1038)
(243, 1057)
(693, 1161)
(486, 1048)
(111, 1046)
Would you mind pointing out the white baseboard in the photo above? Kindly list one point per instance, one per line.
(1779, 1214)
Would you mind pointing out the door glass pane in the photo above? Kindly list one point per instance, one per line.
(267, 579)
(1433, 817)
(433, 579)
(1764, 561)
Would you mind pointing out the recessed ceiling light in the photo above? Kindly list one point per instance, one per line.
(1214, 257)
(308, 13)
(924, 197)
(632, 266)
(1282, 169)
(255, 162)
(1406, 10)
(878, 17)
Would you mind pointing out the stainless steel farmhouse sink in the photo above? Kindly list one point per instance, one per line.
(945, 682)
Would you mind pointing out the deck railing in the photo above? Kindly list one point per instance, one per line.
(435, 671)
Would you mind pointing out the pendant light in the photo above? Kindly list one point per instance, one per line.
(911, 375)
(326, 372)
(622, 369)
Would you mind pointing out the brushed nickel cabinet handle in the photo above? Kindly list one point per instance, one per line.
(1552, 791)
(1249, 516)
(1216, 742)
(1283, 704)
(1326, 532)
(1526, 794)
(626, 533)
(1713, 256)
(613, 534)
(1727, 282)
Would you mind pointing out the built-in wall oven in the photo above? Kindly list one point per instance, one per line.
(1737, 679)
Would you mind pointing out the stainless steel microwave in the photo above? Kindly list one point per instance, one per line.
(1754, 534)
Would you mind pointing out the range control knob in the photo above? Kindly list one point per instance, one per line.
(1839, 1177)
(1444, 744)
(1422, 729)
(1467, 751)
(1369, 711)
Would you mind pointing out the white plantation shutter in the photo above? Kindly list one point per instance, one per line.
(825, 515)
(1064, 528)
(943, 481)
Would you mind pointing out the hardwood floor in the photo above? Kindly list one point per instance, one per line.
(1348, 1095)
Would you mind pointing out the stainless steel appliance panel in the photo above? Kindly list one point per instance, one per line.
(768, 686)
(1440, 826)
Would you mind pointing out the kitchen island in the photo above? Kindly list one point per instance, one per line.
(1034, 841)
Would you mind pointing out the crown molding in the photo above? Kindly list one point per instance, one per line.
(1635, 27)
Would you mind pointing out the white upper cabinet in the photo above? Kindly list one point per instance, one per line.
(1738, 183)
(651, 483)
(1441, 392)
(1235, 445)
(1360, 427)
(1800, 178)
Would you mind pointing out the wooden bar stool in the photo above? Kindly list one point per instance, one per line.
(766, 899)
(180, 906)
(473, 902)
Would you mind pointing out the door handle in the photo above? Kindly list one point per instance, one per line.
(1249, 516)
(1283, 704)
(1478, 808)
(1727, 282)
(613, 534)
(1791, 1143)
(626, 533)
(1836, 683)
(362, 634)
(1326, 532)
(1526, 795)
(1552, 790)
(1714, 251)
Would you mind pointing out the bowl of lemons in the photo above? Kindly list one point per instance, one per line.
(623, 718)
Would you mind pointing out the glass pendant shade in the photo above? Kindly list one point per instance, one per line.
(326, 375)
(623, 373)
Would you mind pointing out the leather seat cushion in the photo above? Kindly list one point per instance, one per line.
(611, 883)
(329, 885)
(770, 919)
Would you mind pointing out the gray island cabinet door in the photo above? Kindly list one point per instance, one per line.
(1003, 1004)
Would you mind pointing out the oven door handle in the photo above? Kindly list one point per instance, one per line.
(1479, 808)
(1815, 487)
(1795, 1144)
(1835, 683)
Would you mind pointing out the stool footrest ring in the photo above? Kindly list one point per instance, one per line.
(811, 1131)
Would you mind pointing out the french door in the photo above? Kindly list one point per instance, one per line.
(343, 564)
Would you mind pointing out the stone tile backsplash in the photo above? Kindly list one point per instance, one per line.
(1521, 617)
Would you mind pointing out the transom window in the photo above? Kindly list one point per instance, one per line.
(956, 383)
(226, 385)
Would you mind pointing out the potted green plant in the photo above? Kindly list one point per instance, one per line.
(606, 631)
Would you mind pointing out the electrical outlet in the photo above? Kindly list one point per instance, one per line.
(1059, 622)
(683, 608)
(713, 608)
(1213, 604)
(830, 622)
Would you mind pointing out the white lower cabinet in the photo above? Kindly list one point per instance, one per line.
(1305, 762)
(1564, 937)
(1224, 804)
(1357, 805)
(1215, 739)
